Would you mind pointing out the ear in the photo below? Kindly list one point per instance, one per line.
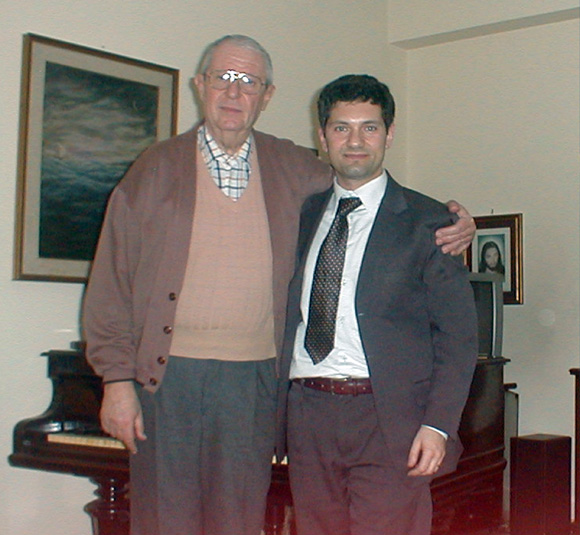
(268, 94)
(199, 82)
(322, 139)
(390, 136)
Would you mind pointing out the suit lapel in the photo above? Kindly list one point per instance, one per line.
(311, 215)
(384, 240)
(385, 236)
(312, 212)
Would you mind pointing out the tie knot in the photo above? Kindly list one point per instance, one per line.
(347, 205)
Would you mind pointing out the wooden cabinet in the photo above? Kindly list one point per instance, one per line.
(471, 498)
(576, 524)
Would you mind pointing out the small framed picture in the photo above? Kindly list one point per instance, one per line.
(86, 115)
(497, 248)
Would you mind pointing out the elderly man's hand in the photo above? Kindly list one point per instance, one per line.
(121, 414)
(456, 238)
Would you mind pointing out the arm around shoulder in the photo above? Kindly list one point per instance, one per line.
(456, 238)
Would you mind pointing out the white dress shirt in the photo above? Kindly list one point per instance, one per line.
(347, 359)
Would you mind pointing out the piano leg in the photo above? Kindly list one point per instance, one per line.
(110, 511)
(279, 519)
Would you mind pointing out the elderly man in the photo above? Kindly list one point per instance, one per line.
(185, 307)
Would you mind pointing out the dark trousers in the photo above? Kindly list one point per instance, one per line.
(206, 464)
(341, 475)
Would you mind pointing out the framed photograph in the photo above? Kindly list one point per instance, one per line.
(497, 248)
(85, 115)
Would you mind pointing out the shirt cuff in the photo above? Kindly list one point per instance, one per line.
(442, 433)
(119, 381)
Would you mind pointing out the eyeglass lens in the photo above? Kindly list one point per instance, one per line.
(248, 83)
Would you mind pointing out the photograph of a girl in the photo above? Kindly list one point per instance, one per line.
(490, 260)
(498, 249)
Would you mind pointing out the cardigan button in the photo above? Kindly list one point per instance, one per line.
(167, 329)
(161, 360)
(153, 381)
(172, 296)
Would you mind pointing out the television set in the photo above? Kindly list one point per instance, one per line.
(488, 294)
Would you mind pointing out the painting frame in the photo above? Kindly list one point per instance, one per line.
(79, 107)
(502, 236)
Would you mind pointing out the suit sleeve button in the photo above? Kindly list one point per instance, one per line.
(172, 296)
(167, 329)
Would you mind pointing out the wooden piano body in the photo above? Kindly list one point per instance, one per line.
(42, 443)
(67, 438)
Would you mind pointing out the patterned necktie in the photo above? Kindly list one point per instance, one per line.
(319, 340)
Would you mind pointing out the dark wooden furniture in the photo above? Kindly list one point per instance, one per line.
(41, 443)
(576, 524)
(540, 485)
(469, 499)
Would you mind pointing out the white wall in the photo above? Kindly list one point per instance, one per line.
(417, 23)
(310, 45)
(493, 121)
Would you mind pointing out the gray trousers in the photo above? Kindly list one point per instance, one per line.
(342, 477)
(206, 464)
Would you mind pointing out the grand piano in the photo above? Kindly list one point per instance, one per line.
(67, 438)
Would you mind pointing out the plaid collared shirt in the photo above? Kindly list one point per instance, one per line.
(230, 173)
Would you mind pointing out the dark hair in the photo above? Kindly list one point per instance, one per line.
(499, 268)
(353, 88)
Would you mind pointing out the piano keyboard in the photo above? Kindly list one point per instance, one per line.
(85, 440)
(100, 442)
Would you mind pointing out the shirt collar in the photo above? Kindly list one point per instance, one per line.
(209, 146)
(371, 194)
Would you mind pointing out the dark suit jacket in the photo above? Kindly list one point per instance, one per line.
(416, 317)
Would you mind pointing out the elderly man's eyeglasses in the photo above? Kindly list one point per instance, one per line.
(248, 83)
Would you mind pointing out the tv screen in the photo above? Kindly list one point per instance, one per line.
(488, 294)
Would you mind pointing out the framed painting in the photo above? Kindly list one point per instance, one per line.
(85, 116)
(497, 248)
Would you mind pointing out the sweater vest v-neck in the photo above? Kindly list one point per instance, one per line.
(225, 308)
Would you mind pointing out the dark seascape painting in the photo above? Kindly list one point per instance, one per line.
(94, 126)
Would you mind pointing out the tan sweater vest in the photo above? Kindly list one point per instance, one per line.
(225, 308)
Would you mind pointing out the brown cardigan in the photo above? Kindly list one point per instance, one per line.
(140, 262)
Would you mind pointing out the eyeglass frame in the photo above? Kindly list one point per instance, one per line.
(237, 77)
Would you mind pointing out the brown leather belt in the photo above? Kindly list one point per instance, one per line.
(351, 387)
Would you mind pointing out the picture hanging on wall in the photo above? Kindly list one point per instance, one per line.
(497, 248)
(85, 115)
